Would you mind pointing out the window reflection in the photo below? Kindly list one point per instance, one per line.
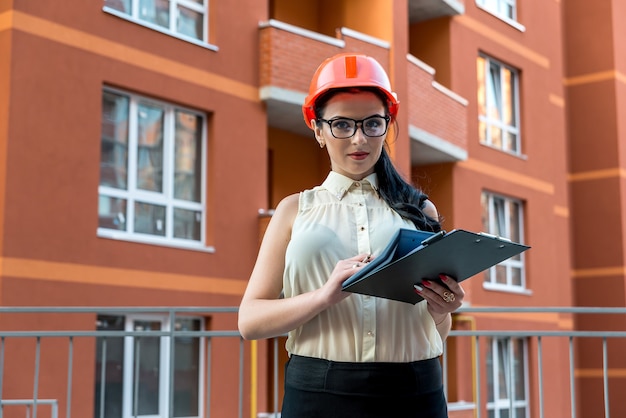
(151, 170)
(114, 141)
(497, 105)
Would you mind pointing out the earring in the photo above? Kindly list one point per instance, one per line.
(321, 145)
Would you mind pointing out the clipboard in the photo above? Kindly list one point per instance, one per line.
(412, 256)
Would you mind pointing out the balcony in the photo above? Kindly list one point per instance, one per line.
(420, 10)
(290, 55)
(62, 361)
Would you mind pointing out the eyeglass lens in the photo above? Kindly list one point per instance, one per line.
(346, 128)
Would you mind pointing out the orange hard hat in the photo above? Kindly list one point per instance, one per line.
(348, 70)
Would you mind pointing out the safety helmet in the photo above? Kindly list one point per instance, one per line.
(348, 70)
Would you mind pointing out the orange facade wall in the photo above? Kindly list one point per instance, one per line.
(52, 177)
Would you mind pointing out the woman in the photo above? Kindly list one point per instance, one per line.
(351, 355)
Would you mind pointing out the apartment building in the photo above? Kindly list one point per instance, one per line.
(144, 144)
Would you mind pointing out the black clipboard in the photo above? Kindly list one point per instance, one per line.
(459, 254)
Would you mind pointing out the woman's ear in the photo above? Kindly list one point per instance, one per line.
(317, 131)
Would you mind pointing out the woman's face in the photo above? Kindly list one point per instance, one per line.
(353, 157)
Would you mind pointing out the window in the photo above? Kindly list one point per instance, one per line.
(507, 390)
(184, 18)
(151, 171)
(498, 105)
(132, 372)
(502, 216)
(506, 9)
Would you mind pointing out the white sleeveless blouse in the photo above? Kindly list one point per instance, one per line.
(337, 220)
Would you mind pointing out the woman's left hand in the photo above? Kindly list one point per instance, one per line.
(442, 298)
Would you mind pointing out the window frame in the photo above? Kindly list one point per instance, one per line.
(511, 263)
(133, 17)
(131, 194)
(165, 362)
(499, 123)
(509, 403)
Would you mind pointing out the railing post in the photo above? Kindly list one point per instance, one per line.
(70, 360)
(540, 374)
(605, 374)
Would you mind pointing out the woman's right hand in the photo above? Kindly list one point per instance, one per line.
(332, 291)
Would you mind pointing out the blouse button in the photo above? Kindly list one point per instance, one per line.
(357, 184)
(362, 228)
(370, 333)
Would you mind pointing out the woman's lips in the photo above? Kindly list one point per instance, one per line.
(359, 155)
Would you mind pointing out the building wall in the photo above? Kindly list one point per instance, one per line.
(52, 176)
(570, 176)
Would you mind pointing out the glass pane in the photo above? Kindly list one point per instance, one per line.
(111, 213)
(149, 219)
(516, 276)
(490, 371)
(499, 223)
(494, 91)
(503, 369)
(514, 221)
(121, 5)
(150, 148)
(510, 11)
(188, 158)
(480, 71)
(484, 203)
(500, 274)
(491, 414)
(483, 134)
(519, 370)
(187, 369)
(510, 141)
(520, 412)
(489, 273)
(114, 140)
(110, 352)
(146, 365)
(508, 96)
(495, 137)
(187, 224)
(504, 413)
(190, 23)
(155, 11)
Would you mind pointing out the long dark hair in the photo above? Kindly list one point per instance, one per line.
(404, 198)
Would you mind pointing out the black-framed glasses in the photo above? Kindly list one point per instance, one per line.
(344, 128)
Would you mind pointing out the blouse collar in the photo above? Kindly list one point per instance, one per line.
(338, 184)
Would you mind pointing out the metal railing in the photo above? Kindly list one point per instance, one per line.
(41, 359)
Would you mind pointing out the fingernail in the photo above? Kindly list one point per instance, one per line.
(426, 283)
(443, 277)
(418, 288)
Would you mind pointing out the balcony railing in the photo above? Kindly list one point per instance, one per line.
(63, 362)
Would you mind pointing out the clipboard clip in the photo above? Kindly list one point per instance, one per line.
(434, 238)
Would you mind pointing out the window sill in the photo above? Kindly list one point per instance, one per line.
(157, 28)
(507, 289)
(505, 19)
(512, 154)
(147, 239)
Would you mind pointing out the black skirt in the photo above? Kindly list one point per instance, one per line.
(316, 388)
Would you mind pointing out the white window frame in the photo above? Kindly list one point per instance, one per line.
(499, 123)
(203, 9)
(511, 263)
(165, 358)
(498, 8)
(165, 198)
(507, 403)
